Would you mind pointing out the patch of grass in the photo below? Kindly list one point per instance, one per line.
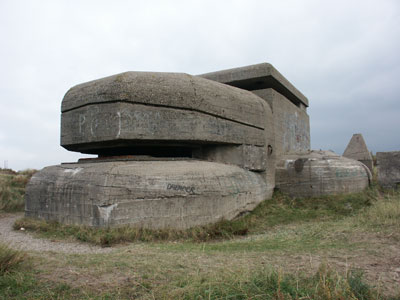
(11, 199)
(279, 210)
(266, 284)
(258, 283)
(20, 280)
(282, 209)
(9, 259)
(384, 214)
(12, 189)
(114, 235)
(26, 286)
(286, 239)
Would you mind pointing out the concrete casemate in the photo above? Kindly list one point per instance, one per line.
(176, 150)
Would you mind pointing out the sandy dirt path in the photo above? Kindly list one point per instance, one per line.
(26, 241)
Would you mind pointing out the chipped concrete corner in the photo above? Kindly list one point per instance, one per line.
(176, 150)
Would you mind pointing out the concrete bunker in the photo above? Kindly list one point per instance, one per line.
(176, 150)
(299, 171)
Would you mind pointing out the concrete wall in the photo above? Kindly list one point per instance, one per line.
(93, 127)
(388, 165)
(291, 123)
(289, 105)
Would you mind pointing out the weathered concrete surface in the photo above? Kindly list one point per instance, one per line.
(388, 165)
(156, 100)
(251, 157)
(91, 128)
(291, 123)
(236, 126)
(246, 156)
(257, 77)
(320, 173)
(129, 112)
(155, 194)
(357, 149)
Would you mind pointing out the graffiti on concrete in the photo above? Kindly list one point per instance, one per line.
(177, 187)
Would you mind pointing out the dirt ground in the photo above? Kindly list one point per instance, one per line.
(379, 259)
(23, 241)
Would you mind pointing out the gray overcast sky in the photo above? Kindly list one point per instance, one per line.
(343, 55)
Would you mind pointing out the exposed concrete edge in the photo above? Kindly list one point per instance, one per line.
(169, 90)
(259, 76)
(168, 107)
(369, 174)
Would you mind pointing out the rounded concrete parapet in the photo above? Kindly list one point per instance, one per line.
(155, 194)
(318, 173)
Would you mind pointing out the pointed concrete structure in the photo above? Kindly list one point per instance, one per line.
(357, 149)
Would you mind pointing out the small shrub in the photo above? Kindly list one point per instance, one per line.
(8, 171)
(9, 259)
(384, 214)
(360, 289)
(11, 199)
(28, 172)
(12, 189)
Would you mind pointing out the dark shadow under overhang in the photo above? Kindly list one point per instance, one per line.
(256, 77)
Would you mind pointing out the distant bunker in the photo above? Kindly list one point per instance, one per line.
(176, 150)
(388, 164)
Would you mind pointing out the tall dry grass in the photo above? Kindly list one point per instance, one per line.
(9, 259)
(384, 213)
(12, 189)
(326, 284)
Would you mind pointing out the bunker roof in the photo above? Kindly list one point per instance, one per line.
(256, 77)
